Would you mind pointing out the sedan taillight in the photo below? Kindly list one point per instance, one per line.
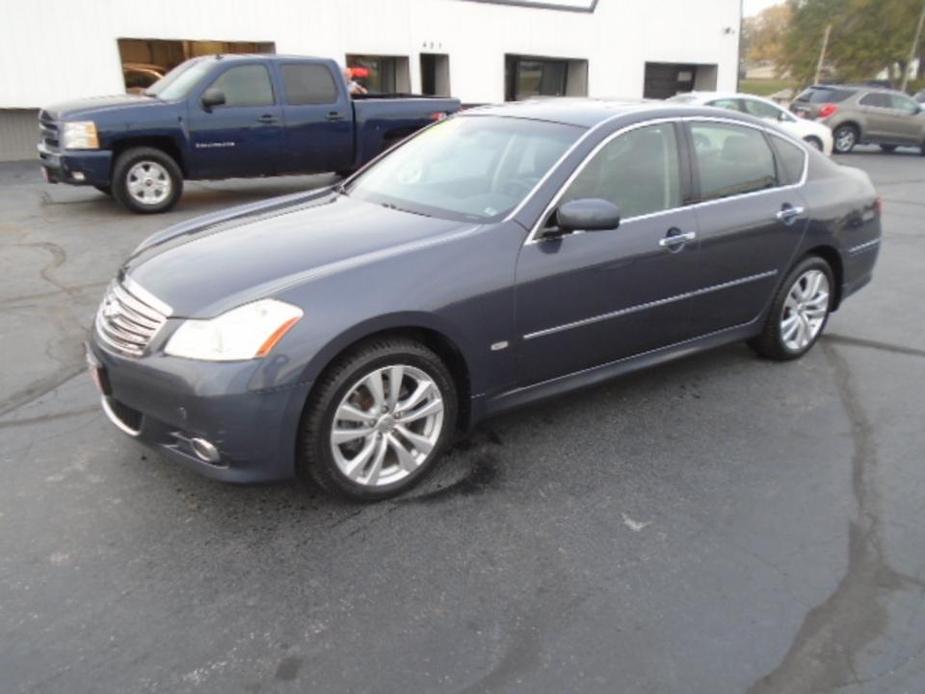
(827, 110)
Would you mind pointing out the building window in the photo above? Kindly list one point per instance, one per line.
(529, 76)
(664, 80)
(435, 74)
(381, 74)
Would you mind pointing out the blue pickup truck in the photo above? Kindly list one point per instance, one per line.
(221, 117)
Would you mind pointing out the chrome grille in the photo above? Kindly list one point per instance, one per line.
(128, 318)
(49, 131)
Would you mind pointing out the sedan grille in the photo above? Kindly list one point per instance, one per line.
(126, 322)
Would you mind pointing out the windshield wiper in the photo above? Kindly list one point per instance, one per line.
(390, 206)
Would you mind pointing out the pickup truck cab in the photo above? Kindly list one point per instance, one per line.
(220, 117)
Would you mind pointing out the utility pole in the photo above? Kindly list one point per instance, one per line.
(915, 47)
(825, 46)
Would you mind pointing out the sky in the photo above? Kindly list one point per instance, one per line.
(752, 7)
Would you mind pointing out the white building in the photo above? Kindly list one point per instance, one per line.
(478, 50)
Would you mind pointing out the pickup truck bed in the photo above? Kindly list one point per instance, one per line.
(221, 117)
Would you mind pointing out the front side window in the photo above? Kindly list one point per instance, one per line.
(248, 85)
(638, 171)
(761, 109)
(731, 160)
(903, 103)
(475, 168)
(729, 104)
(308, 84)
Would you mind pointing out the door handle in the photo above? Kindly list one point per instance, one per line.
(267, 118)
(334, 115)
(674, 240)
(789, 213)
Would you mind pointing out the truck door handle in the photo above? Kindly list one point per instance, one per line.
(788, 213)
(334, 115)
(267, 118)
(676, 238)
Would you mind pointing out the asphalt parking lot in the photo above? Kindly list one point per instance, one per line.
(720, 524)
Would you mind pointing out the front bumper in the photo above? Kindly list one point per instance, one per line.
(77, 167)
(167, 403)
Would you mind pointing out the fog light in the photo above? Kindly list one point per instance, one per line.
(205, 450)
(78, 176)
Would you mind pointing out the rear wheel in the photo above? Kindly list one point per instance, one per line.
(799, 311)
(146, 180)
(380, 419)
(888, 148)
(845, 137)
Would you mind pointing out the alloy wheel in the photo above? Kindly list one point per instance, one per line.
(845, 139)
(148, 183)
(805, 310)
(387, 425)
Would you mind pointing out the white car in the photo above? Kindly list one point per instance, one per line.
(813, 133)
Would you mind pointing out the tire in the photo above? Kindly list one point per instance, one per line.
(105, 190)
(146, 180)
(888, 148)
(845, 138)
(811, 312)
(367, 467)
(814, 142)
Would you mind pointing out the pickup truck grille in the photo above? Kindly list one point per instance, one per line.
(126, 323)
(48, 128)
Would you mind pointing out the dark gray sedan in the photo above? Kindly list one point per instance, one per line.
(504, 255)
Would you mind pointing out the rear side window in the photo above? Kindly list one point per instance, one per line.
(822, 95)
(731, 160)
(791, 160)
(876, 99)
(730, 104)
(637, 171)
(308, 84)
(248, 85)
(761, 109)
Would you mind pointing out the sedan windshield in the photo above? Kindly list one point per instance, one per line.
(177, 83)
(469, 168)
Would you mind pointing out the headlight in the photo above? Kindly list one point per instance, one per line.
(245, 332)
(80, 135)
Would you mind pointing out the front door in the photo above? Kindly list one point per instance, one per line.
(907, 120)
(243, 136)
(586, 299)
(751, 220)
(319, 119)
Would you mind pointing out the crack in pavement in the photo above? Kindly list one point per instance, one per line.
(873, 344)
(821, 656)
(40, 387)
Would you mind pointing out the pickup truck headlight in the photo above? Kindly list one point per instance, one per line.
(80, 135)
(246, 332)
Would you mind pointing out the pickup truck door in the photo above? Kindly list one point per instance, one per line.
(243, 136)
(318, 116)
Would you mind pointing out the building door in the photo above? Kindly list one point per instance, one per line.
(435, 74)
(664, 80)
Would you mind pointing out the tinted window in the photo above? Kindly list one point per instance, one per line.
(761, 109)
(731, 160)
(876, 99)
(638, 171)
(904, 103)
(821, 95)
(248, 85)
(791, 160)
(309, 84)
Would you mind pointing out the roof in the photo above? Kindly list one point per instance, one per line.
(586, 113)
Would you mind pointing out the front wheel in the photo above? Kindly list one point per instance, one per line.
(380, 419)
(845, 137)
(798, 313)
(146, 180)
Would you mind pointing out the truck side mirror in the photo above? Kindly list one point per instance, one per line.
(212, 97)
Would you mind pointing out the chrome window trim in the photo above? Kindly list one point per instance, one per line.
(534, 230)
(647, 305)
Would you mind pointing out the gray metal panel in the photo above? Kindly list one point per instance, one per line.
(18, 133)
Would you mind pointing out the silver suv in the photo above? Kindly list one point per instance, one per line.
(860, 115)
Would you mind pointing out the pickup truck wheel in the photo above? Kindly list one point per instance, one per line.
(379, 419)
(146, 180)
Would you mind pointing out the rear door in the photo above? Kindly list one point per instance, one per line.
(751, 218)
(586, 299)
(243, 136)
(319, 119)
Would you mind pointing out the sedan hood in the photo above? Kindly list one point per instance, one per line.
(204, 269)
(85, 107)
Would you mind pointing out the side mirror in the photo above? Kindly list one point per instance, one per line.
(212, 97)
(587, 214)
